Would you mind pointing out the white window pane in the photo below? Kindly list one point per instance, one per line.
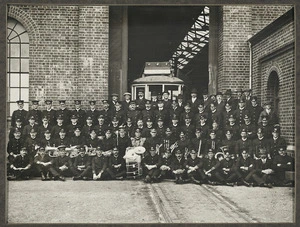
(24, 93)
(12, 106)
(14, 50)
(14, 65)
(25, 50)
(14, 80)
(24, 65)
(24, 80)
(13, 37)
(14, 94)
(19, 28)
(24, 38)
(11, 23)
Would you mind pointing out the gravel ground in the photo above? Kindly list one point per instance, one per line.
(132, 201)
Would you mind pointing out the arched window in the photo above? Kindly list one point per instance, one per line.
(273, 89)
(17, 65)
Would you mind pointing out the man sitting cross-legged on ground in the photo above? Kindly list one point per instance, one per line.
(116, 165)
(243, 166)
(99, 166)
(178, 166)
(282, 163)
(62, 163)
(82, 168)
(151, 164)
(262, 171)
(21, 166)
(224, 168)
(193, 165)
(165, 168)
(44, 166)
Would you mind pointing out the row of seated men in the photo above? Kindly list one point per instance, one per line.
(221, 168)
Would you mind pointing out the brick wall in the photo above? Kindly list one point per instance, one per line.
(236, 25)
(58, 36)
(262, 15)
(283, 64)
(234, 59)
(93, 53)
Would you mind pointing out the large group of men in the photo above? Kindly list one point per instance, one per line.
(216, 139)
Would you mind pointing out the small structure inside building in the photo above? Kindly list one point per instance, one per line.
(157, 77)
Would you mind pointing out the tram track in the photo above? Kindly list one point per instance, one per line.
(169, 211)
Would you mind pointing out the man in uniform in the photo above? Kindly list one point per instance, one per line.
(20, 113)
(233, 127)
(43, 163)
(262, 171)
(58, 127)
(151, 165)
(81, 114)
(154, 100)
(101, 127)
(93, 112)
(249, 127)
(243, 166)
(230, 99)
(269, 113)
(32, 143)
(119, 113)
(106, 112)
(244, 144)
(14, 146)
(27, 128)
(133, 113)
(175, 110)
(123, 141)
(71, 127)
(153, 141)
(82, 168)
(255, 110)
(77, 139)
(188, 128)
(62, 139)
(45, 126)
(162, 113)
(62, 163)
(47, 140)
(282, 163)
(21, 166)
(193, 166)
(276, 141)
(178, 166)
(35, 112)
(198, 143)
(99, 166)
(206, 100)
(240, 112)
(49, 112)
(116, 165)
(19, 126)
(226, 114)
(140, 101)
(63, 112)
(260, 143)
(148, 112)
(87, 127)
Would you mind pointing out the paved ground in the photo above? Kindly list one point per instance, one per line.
(133, 201)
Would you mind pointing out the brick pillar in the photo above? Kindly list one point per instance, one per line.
(93, 53)
(234, 63)
(118, 50)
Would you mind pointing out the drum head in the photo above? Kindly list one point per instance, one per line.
(139, 150)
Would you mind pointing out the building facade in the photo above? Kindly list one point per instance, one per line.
(81, 52)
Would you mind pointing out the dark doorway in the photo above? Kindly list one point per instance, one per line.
(273, 90)
(154, 33)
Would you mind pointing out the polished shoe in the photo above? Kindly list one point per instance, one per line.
(212, 182)
(61, 178)
(11, 178)
(229, 184)
(77, 178)
(247, 183)
(43, 178)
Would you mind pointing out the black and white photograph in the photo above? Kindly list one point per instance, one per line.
(154, 114)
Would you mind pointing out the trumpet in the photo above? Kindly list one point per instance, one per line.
(173, 146)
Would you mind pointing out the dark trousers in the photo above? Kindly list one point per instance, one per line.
(195, 174)
(87, 172)
(153, 173)
(116, 172)
(104, 176)
(259, 177)
(46, 169)
(19, 174)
